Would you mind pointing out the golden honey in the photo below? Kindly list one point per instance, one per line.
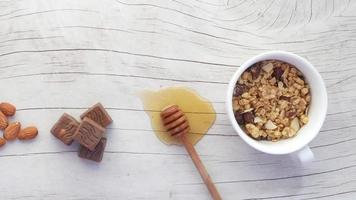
(199, 112)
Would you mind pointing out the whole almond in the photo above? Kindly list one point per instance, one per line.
(2, 142)
(28, 133)
(12, 131)
(3, 121)
(8, 109)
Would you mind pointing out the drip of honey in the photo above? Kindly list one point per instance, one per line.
(199, 112)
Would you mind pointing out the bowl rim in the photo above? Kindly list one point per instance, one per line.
(269, 55)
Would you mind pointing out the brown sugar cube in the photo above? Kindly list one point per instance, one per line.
(95, 155)
(98, 114)
(65, 128)
(89, 133)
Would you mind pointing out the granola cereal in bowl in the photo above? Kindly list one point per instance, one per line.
(277, 102)
(270, 100)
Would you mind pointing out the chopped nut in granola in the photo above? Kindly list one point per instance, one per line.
(253, 130)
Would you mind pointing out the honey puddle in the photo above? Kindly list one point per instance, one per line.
(199, 111)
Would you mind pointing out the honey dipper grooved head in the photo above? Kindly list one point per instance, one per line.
(174, 121)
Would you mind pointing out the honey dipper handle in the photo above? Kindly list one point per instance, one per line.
(199, 165)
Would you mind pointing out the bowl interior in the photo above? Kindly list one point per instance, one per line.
(317, 108)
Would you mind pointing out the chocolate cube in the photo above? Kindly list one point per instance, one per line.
(95, 155)
(89, 133)
(65, 128)
(98, 114)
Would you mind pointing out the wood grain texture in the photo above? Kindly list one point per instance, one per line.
(64, 56)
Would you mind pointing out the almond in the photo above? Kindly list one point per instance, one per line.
(270, 125)
(28, 133)
(294, 124)
(2, 142)
(3, 121)
(257, 120)
(12, 131)
(267, 68)
(8, 109)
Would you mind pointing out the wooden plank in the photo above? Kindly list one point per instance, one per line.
(64, 56)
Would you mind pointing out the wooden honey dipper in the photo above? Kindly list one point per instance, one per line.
(177, 125)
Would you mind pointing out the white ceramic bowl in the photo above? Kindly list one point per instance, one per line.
(317, 109)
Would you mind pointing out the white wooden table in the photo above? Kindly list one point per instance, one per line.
(63, 56)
